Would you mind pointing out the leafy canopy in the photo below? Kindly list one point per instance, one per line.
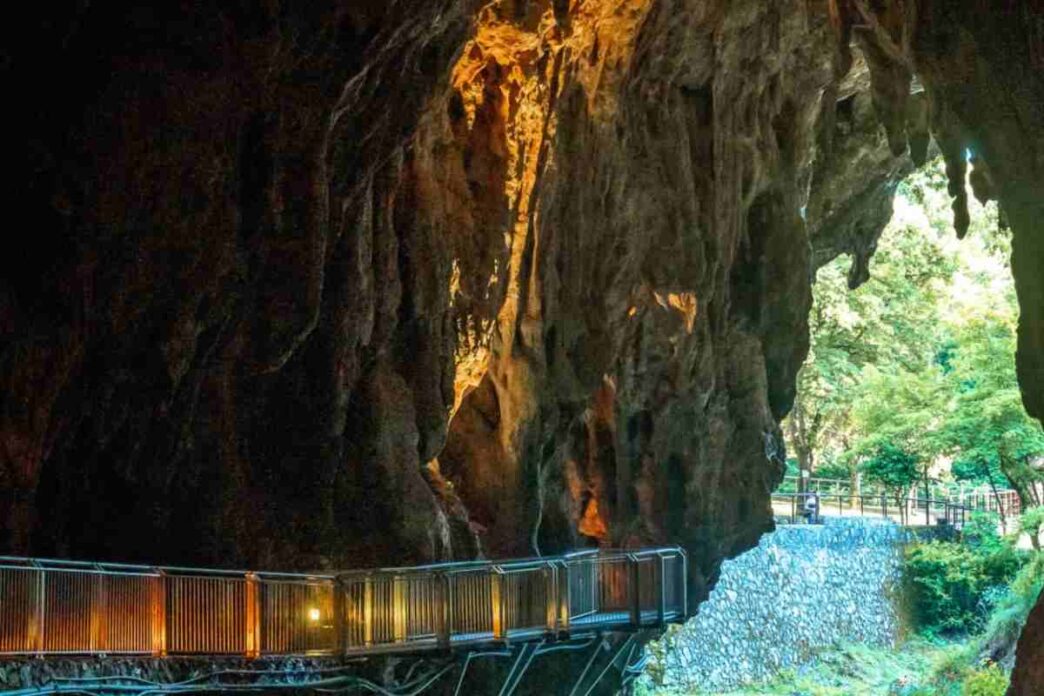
(915, 371)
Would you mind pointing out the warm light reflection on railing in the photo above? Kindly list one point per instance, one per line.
(64, 607)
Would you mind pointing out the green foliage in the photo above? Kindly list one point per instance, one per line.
(945, 583)
(832, 468)
(980, 533)
(886, 324)
(1031, 523)
(952, 587)
(989, 681)
(891, 466)
(1009, 615)
(987, 428)
(846, 670)
(919, 362)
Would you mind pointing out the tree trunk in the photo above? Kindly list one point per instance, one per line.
(927, 496)
(996, 495)
(801, 447)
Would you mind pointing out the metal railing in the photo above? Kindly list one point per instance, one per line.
(52, 607)
(907, 512)
(979, 497)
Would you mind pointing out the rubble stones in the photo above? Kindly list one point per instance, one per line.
(805, 587)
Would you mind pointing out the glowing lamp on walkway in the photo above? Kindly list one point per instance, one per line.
(313, 615)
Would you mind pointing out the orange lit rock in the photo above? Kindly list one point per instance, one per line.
(592, 525)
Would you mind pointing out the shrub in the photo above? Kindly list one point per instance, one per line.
(945, 582)
(989, 681)
(1009, 614)
(952, 588)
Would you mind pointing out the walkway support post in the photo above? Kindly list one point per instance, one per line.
(496, 579)
(158, 614)
(368, 610)
(96, 621)
(252, 614)
(551, 591)
(399, 608)
(442, 595)
(340, 613)
(36, 620)
(564, 590)
(661, 606)
(635, 594)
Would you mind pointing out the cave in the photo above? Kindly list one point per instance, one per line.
(374, 283)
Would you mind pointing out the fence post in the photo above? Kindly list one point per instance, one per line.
(368, 610)
(399, 608)
(565, 589)
(443, 593)
(252, 613)
(684, 580)
(551, 592)
(496, 593)
(35, 637)
(158, 614)
(636, 595)
(98, 613)
(661, 609)
(340, 612)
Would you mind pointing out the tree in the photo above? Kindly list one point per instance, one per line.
(894, 468)
(1031, 523)
(900, 410)
(989, 430)
(888, 323)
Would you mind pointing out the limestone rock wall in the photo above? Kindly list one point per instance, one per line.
(803, 588)
(349, 283)
(378, 282)
(1028, 676)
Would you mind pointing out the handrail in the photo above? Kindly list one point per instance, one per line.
(980, 497)
(880, 505)
(60, 607)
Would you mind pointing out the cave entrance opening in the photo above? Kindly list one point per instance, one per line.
(909, 394)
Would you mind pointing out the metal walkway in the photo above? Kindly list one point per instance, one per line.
(51, 607)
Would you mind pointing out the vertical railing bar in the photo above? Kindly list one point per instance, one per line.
(41, 608)
(368, 611)
(662, 612)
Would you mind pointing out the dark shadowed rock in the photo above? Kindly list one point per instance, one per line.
(1028, 677)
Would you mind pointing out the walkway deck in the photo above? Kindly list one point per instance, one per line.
(51, 607)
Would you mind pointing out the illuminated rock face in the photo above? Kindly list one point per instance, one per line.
(381, 282)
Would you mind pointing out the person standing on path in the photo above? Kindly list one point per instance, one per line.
(811, 508)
